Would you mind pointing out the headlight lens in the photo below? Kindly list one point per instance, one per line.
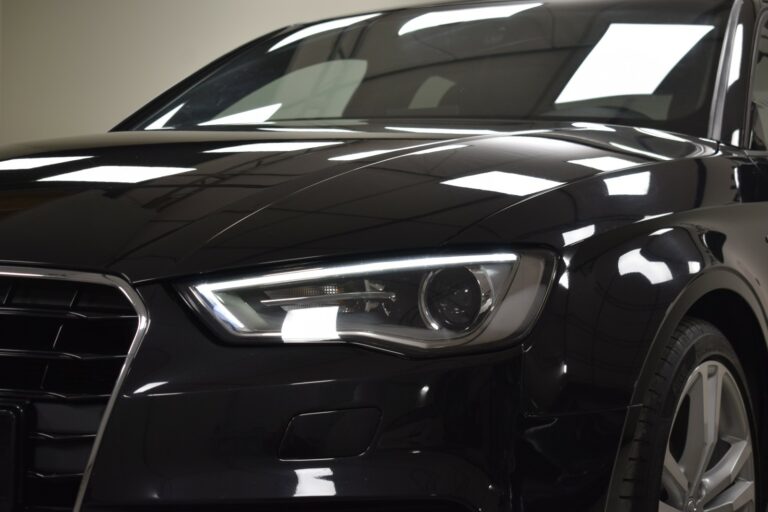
(425, 303)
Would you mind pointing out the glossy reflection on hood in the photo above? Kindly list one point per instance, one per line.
(439, 149)
(309, 130)
(274, 147)
(594, 127)
(378, 152)
(637, 184)
(605, 163)
(258, 203)
(650, 154)
(657, 216)
(659, 134)
(119, 174)
(504, 183)
(578, 235)
(23, 164)
(443, 131)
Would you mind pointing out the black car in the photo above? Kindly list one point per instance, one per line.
(487, 256)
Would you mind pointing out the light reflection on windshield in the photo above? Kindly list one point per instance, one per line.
(320, 28)
(587, 64)
(632, 59)
(440, 18)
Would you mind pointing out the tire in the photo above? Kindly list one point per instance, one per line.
(677, 463)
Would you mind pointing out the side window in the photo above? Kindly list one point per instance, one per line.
(759, 139)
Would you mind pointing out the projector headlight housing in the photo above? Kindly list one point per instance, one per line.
(419, 303)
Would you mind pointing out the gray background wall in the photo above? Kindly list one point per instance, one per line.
(72, 67)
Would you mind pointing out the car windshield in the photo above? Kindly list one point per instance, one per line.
(638, 63)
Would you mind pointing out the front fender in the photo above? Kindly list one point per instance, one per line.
(618, 299)
(718, 278)
(615, 296)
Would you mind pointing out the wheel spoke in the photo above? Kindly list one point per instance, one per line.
(674, 480)
(715, 470)
(694, 438)
(727, 470)
(733, 499)
(703, 422)
(663, 507)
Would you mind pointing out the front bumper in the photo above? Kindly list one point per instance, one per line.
(197, 423)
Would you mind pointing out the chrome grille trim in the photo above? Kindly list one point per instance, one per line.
(142, 326)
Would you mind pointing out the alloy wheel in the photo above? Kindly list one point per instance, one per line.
(709, 462)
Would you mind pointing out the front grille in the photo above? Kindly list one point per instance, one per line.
(62, 345)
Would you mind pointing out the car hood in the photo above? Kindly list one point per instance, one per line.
(152, 205)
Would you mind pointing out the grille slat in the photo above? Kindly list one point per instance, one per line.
(64, 314)
(60, 356)
(74, 418)
(47, 396)
(62, 345)
(56, 457)
(51, 491)
(53, 476)
(60, 437)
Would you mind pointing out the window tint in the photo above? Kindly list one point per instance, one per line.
(612, 62)
(318, 91)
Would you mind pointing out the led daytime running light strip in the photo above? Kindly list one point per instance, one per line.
(207, 291)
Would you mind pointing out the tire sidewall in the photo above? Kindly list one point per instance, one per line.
(710, 345)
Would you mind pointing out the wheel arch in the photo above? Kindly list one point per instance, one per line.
(723, 297)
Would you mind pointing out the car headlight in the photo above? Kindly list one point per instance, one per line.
(427, 303)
